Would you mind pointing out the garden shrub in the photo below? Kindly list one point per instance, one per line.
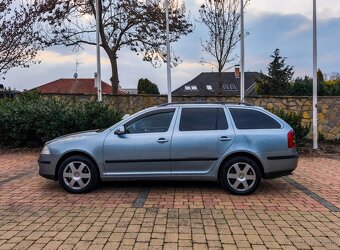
(30, 120)
(295, 121)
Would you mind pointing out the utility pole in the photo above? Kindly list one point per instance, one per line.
(315, 80)
(98, 80)
(168, 58)
(242, 54)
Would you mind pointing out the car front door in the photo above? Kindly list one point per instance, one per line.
(201, 136)
(144, 148)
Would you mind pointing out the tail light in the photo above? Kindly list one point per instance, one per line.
(291, 139)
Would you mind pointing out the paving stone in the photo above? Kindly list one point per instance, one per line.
(36, 213)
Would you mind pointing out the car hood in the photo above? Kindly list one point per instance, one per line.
(75, 136)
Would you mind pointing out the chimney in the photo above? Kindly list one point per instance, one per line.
(95, 80)
(237, 71)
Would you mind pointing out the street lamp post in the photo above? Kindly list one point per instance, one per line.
(242, 54)
(168, 58)
(315, 80)
(98, 80)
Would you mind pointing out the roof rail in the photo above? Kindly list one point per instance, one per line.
(201, 102)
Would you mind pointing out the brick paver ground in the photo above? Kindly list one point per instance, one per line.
(36, 213)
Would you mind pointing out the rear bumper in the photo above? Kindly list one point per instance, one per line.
(277, 166)
(273, 175)
(47, 166)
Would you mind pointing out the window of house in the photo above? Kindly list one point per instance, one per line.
(252, 119)
(193, 87)
(209, 87)
(226, 87)
(190, 87)
(198, 119)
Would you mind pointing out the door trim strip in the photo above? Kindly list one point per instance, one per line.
(161, 160)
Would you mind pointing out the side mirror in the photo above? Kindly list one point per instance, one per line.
(120, 130)
(125, 116)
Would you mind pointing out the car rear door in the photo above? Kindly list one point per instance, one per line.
(144, 150)
(201, 136)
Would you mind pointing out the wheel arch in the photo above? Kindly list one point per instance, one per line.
(242, 153)
(73, 153)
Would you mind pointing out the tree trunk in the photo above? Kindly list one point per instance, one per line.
(219, 81)
(114, 78)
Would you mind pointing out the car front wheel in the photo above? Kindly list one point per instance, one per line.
(78, 174)
(240, 175)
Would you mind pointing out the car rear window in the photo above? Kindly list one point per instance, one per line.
(252, 119)
(196, 119)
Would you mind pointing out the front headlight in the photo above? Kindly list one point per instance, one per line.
(45, 151)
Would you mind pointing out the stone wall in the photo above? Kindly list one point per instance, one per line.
(328, 107)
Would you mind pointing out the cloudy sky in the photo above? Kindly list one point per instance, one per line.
(272, 24)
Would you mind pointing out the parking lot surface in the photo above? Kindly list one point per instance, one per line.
(300, 211)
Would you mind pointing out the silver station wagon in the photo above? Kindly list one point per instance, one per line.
(234, 144)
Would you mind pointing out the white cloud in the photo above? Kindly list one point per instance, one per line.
(51, 57)
(283, 24)
(325, 8)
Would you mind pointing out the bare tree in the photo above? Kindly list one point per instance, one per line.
(135, 24)
(222, 18)
(333, 76)
(19, 36)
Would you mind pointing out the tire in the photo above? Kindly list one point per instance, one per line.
(78, 174)
(240, 175)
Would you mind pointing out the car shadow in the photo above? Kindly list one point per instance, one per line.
(269, 186)
(275, 187)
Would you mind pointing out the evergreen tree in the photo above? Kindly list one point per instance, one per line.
(279, 75)
(321, 77)
(302, 87)
(145, 86)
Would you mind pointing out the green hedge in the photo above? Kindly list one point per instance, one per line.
(30, 120)
(295, 121)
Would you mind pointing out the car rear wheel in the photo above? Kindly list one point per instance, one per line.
(240, 175)
(78, 174)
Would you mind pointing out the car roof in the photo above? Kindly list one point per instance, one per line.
(176, 104)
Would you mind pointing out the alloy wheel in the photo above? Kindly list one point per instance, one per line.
(76, 175)
(241, 176)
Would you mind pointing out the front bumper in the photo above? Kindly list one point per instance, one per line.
(47, 166)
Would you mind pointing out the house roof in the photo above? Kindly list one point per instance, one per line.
(211, 78)
(74, 86)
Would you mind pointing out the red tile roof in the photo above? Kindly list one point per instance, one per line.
(74, 86)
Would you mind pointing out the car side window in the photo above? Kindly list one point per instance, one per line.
(151, 123)
(252, 119)
(199, 119)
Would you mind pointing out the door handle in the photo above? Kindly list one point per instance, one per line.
(225, 138)
(162, 140)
